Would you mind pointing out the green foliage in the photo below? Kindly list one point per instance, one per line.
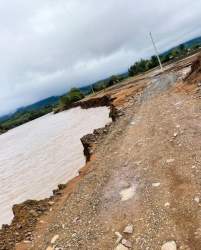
(182, 48)
(165, 58)
(64, 101)
(72, 96)
(113, 80)
(195, 47)
(142, 66)
(75, 95)
(99, 87)
(22, 117)
(103, 84)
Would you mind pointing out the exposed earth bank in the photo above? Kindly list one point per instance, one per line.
(140, 188)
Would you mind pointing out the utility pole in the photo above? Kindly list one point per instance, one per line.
(156, 51)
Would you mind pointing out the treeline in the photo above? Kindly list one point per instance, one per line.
(111, 81)
(145, 65)
(68, 99)
(20, 118)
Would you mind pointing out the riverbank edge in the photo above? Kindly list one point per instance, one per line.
(28, 213)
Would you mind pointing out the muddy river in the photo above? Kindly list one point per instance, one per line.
(39, 155)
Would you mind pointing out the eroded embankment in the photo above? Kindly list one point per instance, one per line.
(27, 214)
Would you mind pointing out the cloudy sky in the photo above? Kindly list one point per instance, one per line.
(48, 46)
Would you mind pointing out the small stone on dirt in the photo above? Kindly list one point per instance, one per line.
(54, 239)
(76, 220)
(119, 237)
(167, 204)
(156, 184)
(128, 193)
(49, 248)
(128, 229)
(126, 243)
(51, 203)
(170, 245)
(170, 160)
(121, 247)
(197, 199)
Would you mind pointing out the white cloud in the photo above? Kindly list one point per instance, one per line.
(49, 46)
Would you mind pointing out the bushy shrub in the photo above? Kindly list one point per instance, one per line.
(72, 96)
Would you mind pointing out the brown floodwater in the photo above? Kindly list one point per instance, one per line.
(39, 155)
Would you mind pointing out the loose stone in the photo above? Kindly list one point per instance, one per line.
(54, 239)
(170, 245)
(157, 184)
(121, 247)
(49, 248)
(197, 199)
(126, 243)
(128, 229)
(119, 237)
(170, 160)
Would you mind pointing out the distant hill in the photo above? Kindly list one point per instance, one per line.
(53, 100)
(188, 44)
(193, 42)
(50, 101)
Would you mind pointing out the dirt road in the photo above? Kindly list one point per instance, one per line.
(145, 175)
(140, 188)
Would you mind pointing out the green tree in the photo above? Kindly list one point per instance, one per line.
(113, 80)
(75, 95)
(182, 49)
(175, 53)
(64, 101)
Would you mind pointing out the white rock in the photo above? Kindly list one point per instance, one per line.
(121, 247)
(167, 204)
(128, 229)
(49, 248)
(178, 126)
(197, 199)
(170, 245)
(51, 203)
(54, 239)
(170, 160)
(128, 193)
(175, 134)
(156, 184)
(193, 166)
(119, 237)
(27, 241)
(138, 162)
(126, 243)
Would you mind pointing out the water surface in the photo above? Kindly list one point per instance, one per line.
(39, 155)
